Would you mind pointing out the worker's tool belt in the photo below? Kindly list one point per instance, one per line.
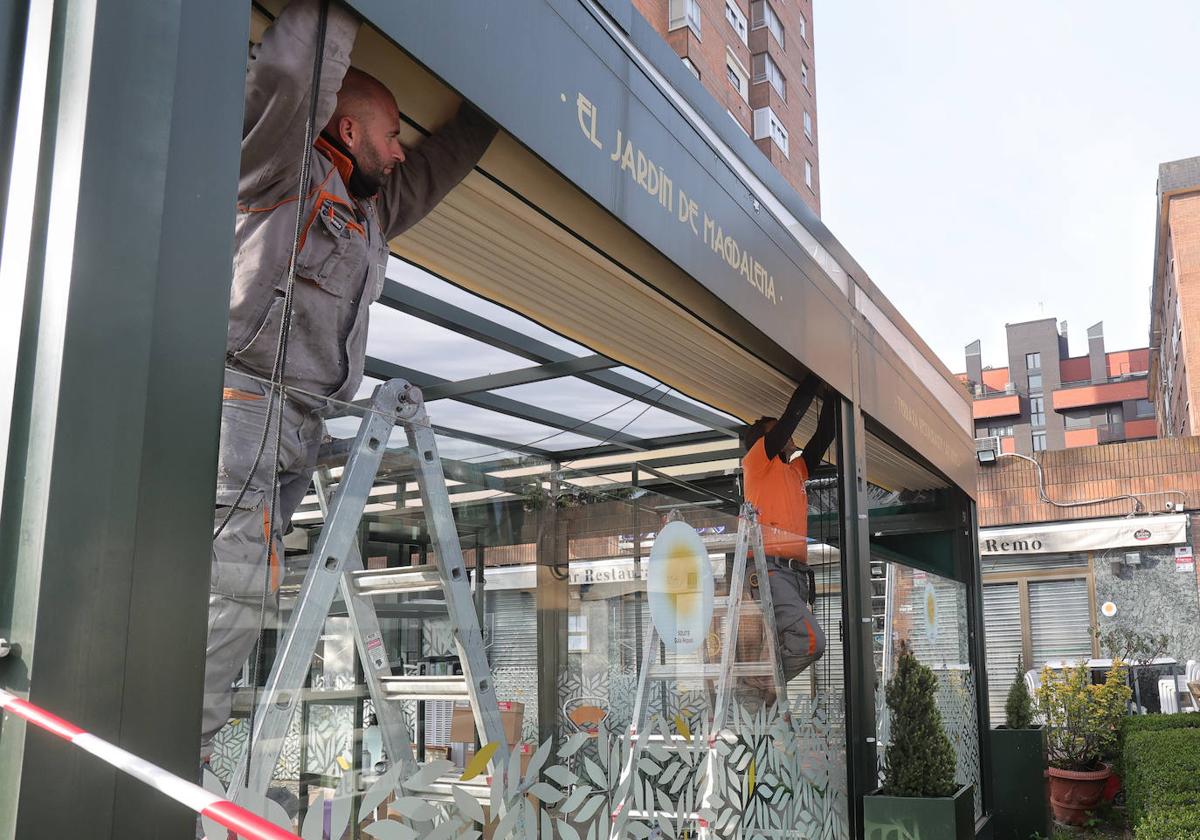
(800, 568)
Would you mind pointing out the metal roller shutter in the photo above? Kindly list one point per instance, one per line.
(512, 624)
(1059, 620)
(829, 673)
(1002, 631)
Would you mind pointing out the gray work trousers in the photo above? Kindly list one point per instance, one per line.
(801, 639)
(244, 569)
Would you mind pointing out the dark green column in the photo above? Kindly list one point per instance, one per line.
(861, 748)
(107, 511)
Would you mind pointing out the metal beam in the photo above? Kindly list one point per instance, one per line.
(521, 376)
(381, 369)
(501, 446)
(117, 406)
(428, 308)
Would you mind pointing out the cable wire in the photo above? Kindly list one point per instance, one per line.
(277, 392)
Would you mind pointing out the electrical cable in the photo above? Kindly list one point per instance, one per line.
(1133, 497)
(277, 392)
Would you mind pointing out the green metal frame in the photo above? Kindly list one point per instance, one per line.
(106, 514)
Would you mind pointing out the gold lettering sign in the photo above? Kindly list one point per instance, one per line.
(634, 163)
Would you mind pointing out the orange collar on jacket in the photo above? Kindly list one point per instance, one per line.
(342, 162)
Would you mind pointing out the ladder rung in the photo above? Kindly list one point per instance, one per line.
(746, 607)
(427, 688)
(709, 671)
(388, 581)
(394, 460)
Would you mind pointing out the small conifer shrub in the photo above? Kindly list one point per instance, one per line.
(920, 760)
(1018, 708)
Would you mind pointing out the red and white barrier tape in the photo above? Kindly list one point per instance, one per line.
(233, 817)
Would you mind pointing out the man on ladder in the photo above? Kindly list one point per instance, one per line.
(310, 259)
(774, 485)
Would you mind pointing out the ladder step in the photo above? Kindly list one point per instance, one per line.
(747, 607)
(709, 670)
(394, 460)
(426, 688)
(388, 581)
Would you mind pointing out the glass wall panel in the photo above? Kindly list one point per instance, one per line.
(631, 686)
(918, 552)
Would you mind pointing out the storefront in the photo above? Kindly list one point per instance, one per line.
(1053, 590)
(621, 228)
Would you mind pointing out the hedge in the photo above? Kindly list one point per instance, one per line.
(1157, 723)
(1162, 782)
(1169, 824)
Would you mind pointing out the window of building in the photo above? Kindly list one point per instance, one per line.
(736, 19)
(736, 74)
(1039, 441)
(1033, 361)
(808, 125)
(767, 124)
(808, 173)
(993, 431)
(1035, 383)
(803, 27)
(1037, 411)
(766, 70)
(577, 633)
(1116, 415)
(761, 14)
(804, 74)
(685, 13)
(1079, 419)
(1143, 408)
(692, 68)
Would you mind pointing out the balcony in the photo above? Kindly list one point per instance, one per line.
(1084, 394)
(1112, 433)
(1008, 405)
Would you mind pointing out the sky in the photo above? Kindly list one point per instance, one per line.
(990, 163)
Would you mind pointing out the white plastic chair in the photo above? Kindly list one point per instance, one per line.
(1168, 696)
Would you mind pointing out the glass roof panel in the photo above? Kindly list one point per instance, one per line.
(421, 280)
(406, 340)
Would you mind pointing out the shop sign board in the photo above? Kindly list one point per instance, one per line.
(1084, 535)
(1184, 561)
(577, 98)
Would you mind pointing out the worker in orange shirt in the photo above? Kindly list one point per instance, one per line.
(774, 485)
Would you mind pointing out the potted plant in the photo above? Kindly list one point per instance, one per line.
(919, 796)
(1018, 759)
(1081, 730)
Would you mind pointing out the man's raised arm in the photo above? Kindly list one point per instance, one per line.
(432, 169)
(278, 84)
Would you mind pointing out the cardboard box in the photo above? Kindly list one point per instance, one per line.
(462, 722)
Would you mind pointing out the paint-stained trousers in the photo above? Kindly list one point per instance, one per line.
(245, 566)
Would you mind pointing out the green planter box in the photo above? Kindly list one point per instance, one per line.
(1020, 802)
(940, 817)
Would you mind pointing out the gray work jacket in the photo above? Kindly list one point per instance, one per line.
(343, 257)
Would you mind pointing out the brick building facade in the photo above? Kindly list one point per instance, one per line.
(1175, 300)
(756, 58)
(1008, 491)
(1044, 399)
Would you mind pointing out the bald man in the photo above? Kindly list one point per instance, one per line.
(365, 188)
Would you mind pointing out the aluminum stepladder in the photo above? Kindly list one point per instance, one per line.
(749, 538)
(337, 567)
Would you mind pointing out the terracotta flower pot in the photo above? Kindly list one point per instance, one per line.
(1075, 792)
